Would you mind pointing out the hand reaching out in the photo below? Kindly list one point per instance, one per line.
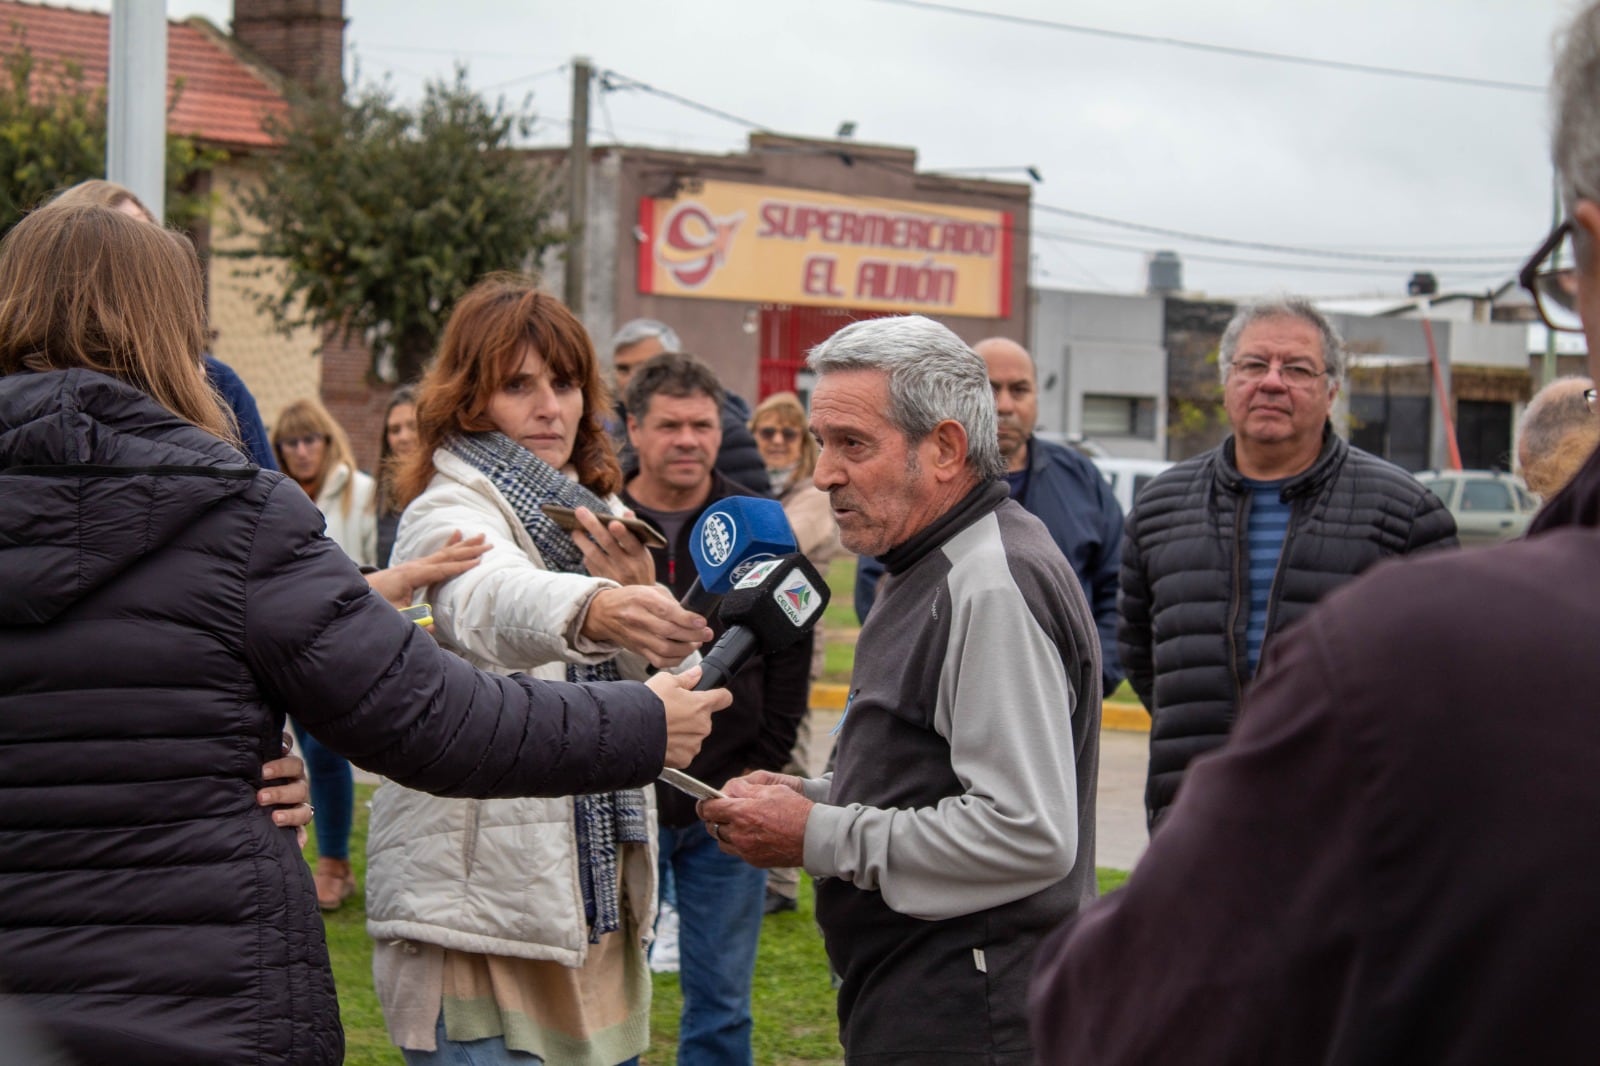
(399, 583)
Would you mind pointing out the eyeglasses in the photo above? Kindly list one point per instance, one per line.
(290, 444)
(1552, 284)
(771, 433)
(1295, 375)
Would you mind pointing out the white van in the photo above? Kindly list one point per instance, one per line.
(1128, 476)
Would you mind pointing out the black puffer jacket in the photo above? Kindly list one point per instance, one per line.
(1185, 598)
(163, 602)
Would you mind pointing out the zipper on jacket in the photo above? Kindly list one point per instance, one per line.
(1240, 544)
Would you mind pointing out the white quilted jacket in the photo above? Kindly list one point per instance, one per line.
(493, 877)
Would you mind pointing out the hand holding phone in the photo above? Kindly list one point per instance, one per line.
(567, 519)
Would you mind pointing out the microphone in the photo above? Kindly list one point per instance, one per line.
(774, 605)
(731, 536)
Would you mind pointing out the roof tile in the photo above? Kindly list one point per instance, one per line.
(222, 100)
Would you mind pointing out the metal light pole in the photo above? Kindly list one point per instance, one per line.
(578, 184)
(136, 101)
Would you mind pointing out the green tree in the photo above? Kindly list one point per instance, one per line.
(53, 134)
(383, 215)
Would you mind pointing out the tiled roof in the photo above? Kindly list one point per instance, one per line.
(222, 100)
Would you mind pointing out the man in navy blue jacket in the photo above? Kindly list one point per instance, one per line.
(1056, 484)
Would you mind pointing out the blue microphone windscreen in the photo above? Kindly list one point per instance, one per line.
(734, 534)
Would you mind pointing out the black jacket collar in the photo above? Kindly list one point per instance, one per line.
(984, 497)
(1307, 481)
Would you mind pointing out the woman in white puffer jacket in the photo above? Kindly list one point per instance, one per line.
(522, 921)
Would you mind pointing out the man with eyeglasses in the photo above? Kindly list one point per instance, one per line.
(1394, 857)
(1224, 551)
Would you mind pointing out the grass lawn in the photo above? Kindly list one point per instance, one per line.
(793, 1002)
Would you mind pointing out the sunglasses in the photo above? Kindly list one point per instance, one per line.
(290, 444)
(772, 433)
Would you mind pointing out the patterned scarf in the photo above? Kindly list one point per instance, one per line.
(604, 820)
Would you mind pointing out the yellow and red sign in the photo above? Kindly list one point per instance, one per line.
(728, 241)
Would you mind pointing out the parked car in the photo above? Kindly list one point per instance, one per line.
(1128, 476)
(1489, 505)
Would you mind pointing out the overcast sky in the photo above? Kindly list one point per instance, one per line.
(1220, 145)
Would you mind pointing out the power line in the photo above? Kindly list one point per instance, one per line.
(1221, 49)
(1202, 257)
(613, 79)
(523, 78)
(1263, 246)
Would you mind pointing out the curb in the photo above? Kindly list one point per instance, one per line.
(1114, 714)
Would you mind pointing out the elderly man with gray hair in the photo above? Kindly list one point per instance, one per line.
(1225, 550)
(738, 458)
(958, 823)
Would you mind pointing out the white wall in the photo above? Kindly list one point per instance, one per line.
(1099, 344)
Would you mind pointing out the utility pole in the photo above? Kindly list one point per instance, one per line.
(136, 101)
(578, 184)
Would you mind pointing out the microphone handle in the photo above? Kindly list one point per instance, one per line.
(700, 600)
(726, 656)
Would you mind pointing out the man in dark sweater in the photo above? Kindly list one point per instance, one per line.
(738, 458)
(958, 825)
(1224, 551)
(673, 402)
(1393, 860)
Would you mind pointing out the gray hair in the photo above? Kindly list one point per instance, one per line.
(642, 329)
(933, 376)
(1575, 101)
(1285, 307)
(1556, 435)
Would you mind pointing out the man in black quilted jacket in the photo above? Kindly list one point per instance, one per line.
(1226, 549)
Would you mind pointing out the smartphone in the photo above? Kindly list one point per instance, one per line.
(420, 613)
(567, 519)
(692, 785)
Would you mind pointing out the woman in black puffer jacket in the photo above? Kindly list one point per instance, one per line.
(163, 602)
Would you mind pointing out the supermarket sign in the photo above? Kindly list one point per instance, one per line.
(729, 241)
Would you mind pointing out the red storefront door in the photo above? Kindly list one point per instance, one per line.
(789, 332)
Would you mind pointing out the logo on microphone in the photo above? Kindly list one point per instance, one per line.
(756, 574)
(717, 536)
(798, 599)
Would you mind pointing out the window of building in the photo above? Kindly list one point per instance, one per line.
(1119, 416)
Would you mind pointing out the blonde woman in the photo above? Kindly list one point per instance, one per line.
(313, 449)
